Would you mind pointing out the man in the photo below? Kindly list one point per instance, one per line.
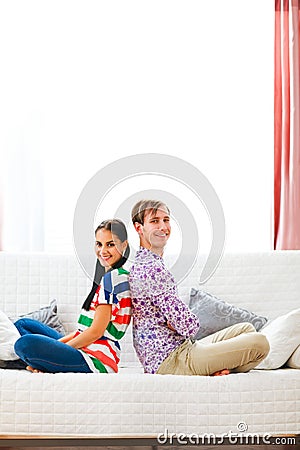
(163, 325)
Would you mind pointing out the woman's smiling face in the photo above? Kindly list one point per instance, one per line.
(108, 247)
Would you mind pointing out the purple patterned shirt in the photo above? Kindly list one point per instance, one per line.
(155, 302)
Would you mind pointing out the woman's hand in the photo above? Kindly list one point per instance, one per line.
(67, 338)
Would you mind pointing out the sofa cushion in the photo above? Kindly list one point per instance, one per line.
(283, 335)
(8, 336)
(47, 315)
(215, 314)
(294, 360)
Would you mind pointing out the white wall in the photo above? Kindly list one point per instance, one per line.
(85, 83)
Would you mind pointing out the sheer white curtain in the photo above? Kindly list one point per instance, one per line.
(23, 188)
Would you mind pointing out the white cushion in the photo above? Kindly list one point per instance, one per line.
(8, 336)
(283, 335)
(294, 360)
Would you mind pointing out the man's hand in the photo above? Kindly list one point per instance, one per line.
(170, 326)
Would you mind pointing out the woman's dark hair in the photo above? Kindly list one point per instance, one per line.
(117, 228)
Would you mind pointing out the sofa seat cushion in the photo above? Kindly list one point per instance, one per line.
(143, 404)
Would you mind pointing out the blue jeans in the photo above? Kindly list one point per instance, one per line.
(39, 347)
(30, 326)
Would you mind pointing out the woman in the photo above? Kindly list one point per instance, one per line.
(105, 316)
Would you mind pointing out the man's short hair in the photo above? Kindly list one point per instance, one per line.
(140, 208)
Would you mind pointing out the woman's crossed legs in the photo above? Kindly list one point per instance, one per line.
(40, 348)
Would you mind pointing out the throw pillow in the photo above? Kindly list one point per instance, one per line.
(215, 314)
(47, 315)
(283, 335)
(294, 360)
(8, 336)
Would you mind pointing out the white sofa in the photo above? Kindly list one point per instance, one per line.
(132, 404)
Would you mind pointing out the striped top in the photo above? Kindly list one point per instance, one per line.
(103, 355)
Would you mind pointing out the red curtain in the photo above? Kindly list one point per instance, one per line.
(287, 126)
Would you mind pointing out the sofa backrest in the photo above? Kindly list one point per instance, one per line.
(266, 283)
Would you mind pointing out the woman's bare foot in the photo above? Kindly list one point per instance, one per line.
(31, 369)
(220, 373)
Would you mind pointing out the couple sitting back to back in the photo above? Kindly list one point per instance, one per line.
(163, 325)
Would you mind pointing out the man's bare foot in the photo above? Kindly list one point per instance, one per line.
(31, 369)
(220, 373)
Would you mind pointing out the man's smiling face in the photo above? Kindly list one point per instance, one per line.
(156, 229)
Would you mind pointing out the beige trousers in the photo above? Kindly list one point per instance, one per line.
(238, 348)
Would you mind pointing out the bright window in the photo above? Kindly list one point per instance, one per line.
(85, 83)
